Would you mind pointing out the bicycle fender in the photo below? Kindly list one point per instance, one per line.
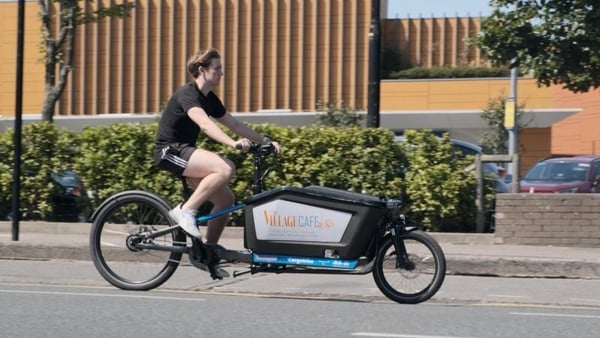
(128, 193)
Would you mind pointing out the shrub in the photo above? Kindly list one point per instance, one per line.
(446, 72)
(111, 159)
(357, 159)
(337, 115)
(440, 191)
(44, 149)
(119, 157)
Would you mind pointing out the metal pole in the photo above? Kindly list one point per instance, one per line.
(374, 66)
(480, 218)
(513, 131)
(16, 188)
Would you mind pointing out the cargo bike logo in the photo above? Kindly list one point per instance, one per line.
(285, 220)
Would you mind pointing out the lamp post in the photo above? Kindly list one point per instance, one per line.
(374, 65)
(16, 188)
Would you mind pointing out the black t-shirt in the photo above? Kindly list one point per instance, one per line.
(175, 125)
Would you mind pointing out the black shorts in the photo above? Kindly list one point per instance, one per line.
(173, 157)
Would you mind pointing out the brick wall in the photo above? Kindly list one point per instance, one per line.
(548, 219)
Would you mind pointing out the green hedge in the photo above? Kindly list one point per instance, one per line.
(441, 192)
(110, 159)
(446, 72)
(44, 150)
(119, 157)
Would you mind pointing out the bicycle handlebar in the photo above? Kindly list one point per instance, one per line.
(256, 148)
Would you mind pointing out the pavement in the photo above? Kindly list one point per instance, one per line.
(466, 254)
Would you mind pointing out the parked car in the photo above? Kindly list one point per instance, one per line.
(69, 198)
(465, 149)
(577, 174)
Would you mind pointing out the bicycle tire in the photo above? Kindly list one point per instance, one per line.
(417, 282)
(122, 216)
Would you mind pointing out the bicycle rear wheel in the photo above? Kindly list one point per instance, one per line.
(415, 279)
(114, 236)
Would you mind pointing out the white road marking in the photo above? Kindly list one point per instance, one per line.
(98, 295)
(398, 335)
(552, 315)
(508, 296)
(586, 300)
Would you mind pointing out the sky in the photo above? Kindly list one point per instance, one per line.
(437, 8)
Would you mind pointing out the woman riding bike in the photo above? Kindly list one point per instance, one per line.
(189, 111)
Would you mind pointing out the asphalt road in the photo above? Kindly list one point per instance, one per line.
(361, 288)
(72, 311)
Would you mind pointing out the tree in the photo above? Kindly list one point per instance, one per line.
(557, 41)
(337, 115)
(58, 42)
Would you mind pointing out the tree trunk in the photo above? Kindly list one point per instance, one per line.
(53, 90)
(63, 41)
(50, 99)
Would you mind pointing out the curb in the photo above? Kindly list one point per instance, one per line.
(522, 267)
(69, 241)
(456, 265)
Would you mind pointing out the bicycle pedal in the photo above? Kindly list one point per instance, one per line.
(214, 274)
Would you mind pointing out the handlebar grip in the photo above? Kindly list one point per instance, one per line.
(256, 148)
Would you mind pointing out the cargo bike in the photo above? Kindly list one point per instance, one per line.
(135, 245)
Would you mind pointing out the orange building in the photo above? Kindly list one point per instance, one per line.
(285, 55)
(278, 54)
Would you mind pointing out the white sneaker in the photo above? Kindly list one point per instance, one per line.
(186, 219)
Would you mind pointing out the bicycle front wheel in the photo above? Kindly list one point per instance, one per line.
(114, 238)
(415, 276)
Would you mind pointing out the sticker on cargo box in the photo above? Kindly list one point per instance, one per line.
(290, 221)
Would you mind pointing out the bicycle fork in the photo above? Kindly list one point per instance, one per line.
(402, 257)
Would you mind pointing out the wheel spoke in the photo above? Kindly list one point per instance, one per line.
(414, 276)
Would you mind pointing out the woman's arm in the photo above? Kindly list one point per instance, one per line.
(209, 127)
(242, 130)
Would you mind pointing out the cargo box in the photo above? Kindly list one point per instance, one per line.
(314, 222)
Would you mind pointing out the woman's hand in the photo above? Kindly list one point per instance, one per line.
(277, 147)
(243, 144)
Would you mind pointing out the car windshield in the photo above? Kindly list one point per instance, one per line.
(558, 171)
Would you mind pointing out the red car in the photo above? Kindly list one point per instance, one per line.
(578, 174)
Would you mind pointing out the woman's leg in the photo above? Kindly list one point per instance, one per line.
(214, 172)
(209, 175)
(221, 199)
